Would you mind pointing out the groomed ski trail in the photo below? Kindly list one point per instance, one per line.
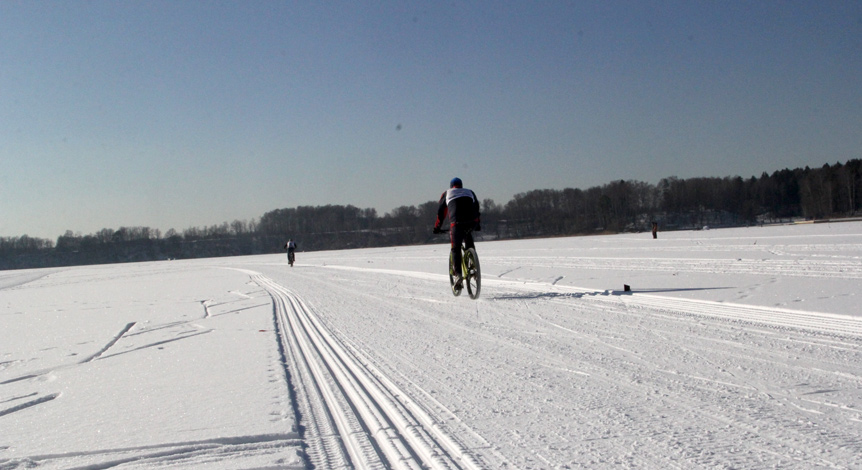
(354, 416)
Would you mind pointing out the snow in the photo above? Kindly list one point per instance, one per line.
(735, 348)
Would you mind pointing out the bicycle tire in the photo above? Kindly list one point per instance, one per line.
(474, 273)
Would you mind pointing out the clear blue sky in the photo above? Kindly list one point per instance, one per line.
(177, 114)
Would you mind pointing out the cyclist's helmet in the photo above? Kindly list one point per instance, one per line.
(455, 183)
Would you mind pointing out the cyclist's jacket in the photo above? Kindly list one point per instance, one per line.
(459, 204)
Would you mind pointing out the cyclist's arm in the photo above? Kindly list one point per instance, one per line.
(442, 212)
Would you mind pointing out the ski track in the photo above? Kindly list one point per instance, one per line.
(715, 403)
(356, 417)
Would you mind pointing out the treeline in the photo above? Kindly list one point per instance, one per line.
(828, 192)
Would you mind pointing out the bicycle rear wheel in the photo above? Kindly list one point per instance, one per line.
(474, 273)
(453, 277)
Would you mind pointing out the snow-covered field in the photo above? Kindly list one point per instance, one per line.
(735, 348)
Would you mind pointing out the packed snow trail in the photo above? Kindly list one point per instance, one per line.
(358, 419)
(538, 375)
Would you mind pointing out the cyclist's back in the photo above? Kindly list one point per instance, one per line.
(461, 206)
(290, 246)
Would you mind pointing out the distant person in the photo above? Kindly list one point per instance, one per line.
(290, 246)
(461, 206)
(655, 229)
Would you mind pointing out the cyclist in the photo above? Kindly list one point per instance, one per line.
(290, 246)
(462, 207)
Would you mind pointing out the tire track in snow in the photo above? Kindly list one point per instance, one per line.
(91, 358)
(777, 317)
(717, 409)
(355, 418)
(769, 316)
(112, 342)
(28, 404)
(842, 325)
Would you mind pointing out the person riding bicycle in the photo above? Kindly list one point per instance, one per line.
(290, 246)
(462, 207)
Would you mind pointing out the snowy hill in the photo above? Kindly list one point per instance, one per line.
(737, 348)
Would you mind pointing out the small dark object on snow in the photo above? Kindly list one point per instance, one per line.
(627, 288)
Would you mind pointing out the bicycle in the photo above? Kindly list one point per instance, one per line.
(471, 272)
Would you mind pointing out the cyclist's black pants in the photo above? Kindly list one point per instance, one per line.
(458, 233)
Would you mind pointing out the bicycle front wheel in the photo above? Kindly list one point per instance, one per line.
(474, 273)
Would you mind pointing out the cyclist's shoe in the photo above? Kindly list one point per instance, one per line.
(459, 284)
